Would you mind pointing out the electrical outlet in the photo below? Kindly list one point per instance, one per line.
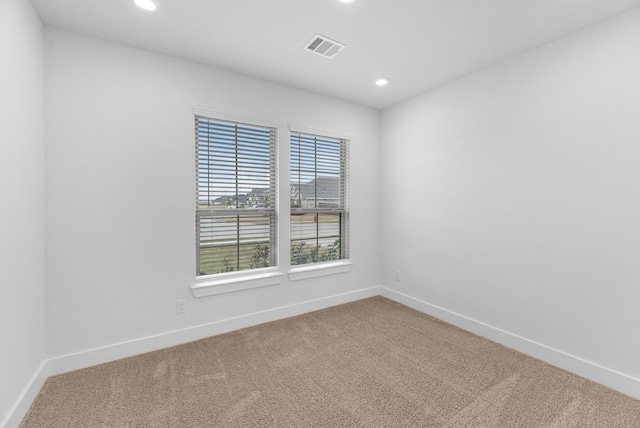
(397, 275)
(180, 306)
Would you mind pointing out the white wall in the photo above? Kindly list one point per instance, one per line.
(22, 200)
(120, 191)
(512, 196)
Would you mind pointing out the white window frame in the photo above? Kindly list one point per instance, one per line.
(344, 264)
(221, 283)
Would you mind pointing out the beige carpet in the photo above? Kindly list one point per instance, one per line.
(372, 363)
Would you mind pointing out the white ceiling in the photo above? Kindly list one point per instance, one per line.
(419, 44)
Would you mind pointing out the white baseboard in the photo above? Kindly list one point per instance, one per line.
(53, 366)
(595, 372)
(92, 357)
(20, 408)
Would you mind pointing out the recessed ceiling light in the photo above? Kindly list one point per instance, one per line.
(382, 81)
(149, 5)
(346, 1)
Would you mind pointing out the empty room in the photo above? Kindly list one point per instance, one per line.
(287, 213)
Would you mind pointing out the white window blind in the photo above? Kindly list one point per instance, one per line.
(319, 174)
(236, 196)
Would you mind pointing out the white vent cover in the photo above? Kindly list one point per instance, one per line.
(324, 46)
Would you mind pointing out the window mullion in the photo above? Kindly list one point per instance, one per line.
(237, 203)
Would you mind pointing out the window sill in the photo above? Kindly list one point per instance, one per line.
(229, 283)
(319, 269)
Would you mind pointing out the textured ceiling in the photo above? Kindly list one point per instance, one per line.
(419, 44)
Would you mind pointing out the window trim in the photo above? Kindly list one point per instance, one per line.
(314, 270)
(230, 117)
(220, 283)
(304, 129)
(230, 282)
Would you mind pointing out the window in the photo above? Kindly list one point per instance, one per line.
(319, 199)
(236, 196)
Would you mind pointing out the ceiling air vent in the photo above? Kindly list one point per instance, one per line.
(324, 46)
